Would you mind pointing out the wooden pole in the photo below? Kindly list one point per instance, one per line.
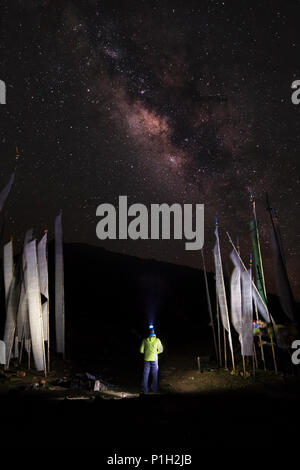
(209, 306)
(219, 334)
(244, 366)
(254, 358)
(255, 355)
(21, 348)
(253, 367)
(260, 338)
(29, 354)
(226, 308)
(11, 343)
(48, 347)
(231, 346)
(225, 349)
(282, 263)
(273, 354)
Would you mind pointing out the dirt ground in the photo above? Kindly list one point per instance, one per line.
(194, 410)
(62, 381)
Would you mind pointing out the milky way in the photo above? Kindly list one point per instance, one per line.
(183, 102)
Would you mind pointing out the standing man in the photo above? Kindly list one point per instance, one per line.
(150, 347)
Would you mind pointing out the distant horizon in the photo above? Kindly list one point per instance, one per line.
(150, 259)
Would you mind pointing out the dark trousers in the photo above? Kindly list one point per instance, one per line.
(153, 366)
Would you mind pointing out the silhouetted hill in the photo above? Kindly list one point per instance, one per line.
(112, 297)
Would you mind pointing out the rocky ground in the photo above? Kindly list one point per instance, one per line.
(211, 408)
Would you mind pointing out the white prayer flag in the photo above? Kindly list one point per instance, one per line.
(261, 306)
(11, 300)
(2, 353)
(220, 286)
(34, 306)
(247, 314)
(43, 275)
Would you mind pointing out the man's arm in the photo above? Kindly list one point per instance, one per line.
(142, 347)
(159, 346)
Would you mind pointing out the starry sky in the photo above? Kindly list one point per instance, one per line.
(162, 101)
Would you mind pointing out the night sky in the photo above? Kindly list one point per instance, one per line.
(162, 101)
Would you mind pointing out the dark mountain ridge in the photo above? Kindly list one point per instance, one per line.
(111, 296)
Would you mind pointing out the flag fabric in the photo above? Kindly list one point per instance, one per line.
(221, 293)
(11, 299)
(247, 314)
(220, 287)
(23, 328)
(43, 277)
(259, 272)
(28, 236)
(22, 312)
(261, 306)
(11, 320)
(236, 300)
(209, 306)
(2, 352)
(5, 191)
(242, 308)
(59, 287)
(8, 267)
(34, 306)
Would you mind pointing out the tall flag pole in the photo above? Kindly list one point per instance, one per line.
(259, 272)
(236, 303)
(251, 323)
(9, 287)
(221, 292)
(219, 329)
(284, 287)
(59, 287)
(260, 338)
(44, 286)
(225, 348)
(209, 306)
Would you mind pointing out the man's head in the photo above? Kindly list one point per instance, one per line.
(151, 330)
